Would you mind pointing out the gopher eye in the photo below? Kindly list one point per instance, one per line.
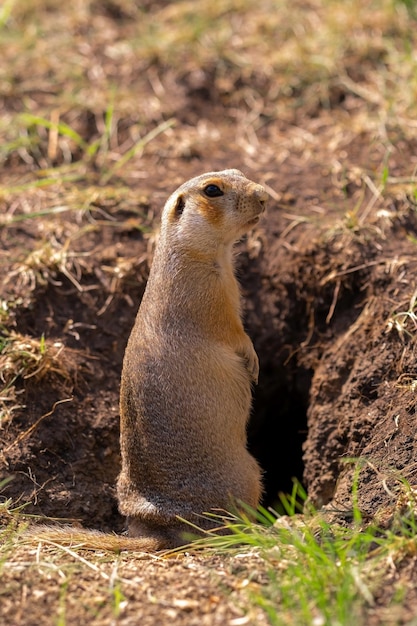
(213, 191)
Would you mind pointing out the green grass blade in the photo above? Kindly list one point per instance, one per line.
(63, 129)
(139, 145)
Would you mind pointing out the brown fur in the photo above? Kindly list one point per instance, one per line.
(188, 369)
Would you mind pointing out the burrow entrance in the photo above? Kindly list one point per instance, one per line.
(278, 429)
(275, 319)
(295, 311)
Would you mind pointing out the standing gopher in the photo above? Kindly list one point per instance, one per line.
(189, 365)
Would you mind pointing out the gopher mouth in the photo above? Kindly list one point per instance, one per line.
(253, 221)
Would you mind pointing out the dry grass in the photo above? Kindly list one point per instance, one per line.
(89, 88)
(72, 85)
(28, 362)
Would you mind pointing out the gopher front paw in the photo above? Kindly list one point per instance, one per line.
(251, 361)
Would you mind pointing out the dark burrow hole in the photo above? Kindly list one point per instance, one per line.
(278, 429)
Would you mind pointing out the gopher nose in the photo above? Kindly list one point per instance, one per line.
(261, 194)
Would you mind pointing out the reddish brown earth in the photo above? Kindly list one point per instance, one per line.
(328, 280)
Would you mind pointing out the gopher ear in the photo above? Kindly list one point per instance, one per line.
(179, 206)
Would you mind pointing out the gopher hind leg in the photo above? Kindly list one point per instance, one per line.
(172, 536)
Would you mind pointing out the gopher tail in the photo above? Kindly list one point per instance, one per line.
(91, 539)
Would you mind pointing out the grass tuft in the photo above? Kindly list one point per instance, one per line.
(26, 361)
(405, 322)
(320, 571)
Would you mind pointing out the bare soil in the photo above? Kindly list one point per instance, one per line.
(329, 286)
